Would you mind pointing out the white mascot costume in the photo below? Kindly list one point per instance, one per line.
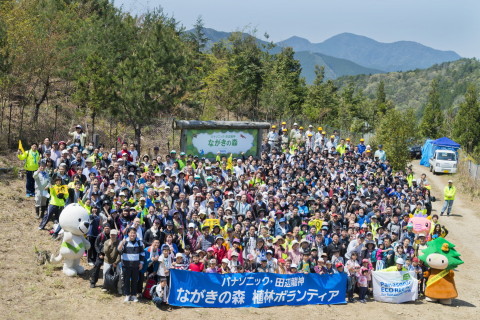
(74, 221)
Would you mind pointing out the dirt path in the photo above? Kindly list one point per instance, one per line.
(29, 291)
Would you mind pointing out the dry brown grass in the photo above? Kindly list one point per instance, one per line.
(31, 291)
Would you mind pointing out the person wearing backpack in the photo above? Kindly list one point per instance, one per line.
(100, 257)
(32, 161)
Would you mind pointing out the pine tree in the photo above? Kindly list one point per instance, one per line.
(395, 131)
(432, 120)
(466, 128)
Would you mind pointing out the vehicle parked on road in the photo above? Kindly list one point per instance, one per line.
(443, 161)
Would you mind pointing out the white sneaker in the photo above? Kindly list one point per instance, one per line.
(127, 299)
(134, 299)
(91, 264)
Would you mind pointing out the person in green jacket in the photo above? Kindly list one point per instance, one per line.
(449, 195)
(32, 160)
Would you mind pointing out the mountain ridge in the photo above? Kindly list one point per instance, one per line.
(347, 54)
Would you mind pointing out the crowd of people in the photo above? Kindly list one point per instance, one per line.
(312, 203)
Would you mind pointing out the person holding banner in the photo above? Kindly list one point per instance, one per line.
(399, 266)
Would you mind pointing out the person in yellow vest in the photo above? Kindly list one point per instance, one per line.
(341, 147)
(410, 177)
(32, 160)
(182, 162)
(449, 195)
(58, 194)
(399, 266)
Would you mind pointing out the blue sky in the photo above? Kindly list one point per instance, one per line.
(441, 24)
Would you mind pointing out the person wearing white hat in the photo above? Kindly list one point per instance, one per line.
(294, 132)
(449, 195)
(179, 263)
(78, 136)
(399, 266)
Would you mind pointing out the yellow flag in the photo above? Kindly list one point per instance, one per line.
(20, 146)
(229, 162)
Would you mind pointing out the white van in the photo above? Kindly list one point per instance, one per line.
(444, 161)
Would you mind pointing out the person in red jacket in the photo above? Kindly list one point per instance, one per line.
(123, 151)
(196, 265)
(219, 249)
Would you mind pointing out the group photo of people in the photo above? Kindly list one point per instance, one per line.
(313, 202)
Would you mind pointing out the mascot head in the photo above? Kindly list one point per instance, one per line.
(75, 219)
(420, 223)
(440, 254)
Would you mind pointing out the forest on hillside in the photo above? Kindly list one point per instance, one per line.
(87, 61)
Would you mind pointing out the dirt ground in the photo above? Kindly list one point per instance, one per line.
(30, 291)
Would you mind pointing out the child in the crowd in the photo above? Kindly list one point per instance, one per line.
(212, 266)
(362, 281)
(160, 293)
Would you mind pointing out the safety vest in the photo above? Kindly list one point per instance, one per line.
(410, 180)
(32, 159)
(54, 192)
(449, 192)
(181, 164)
(341, 149)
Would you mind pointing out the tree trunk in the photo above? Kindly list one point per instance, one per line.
(54, 133)
(20, 131)
(138, 137)
(94, 114)
(9, 125)
(3, 113)
(39, 101)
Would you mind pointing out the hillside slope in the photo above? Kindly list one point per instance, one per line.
(410, 88)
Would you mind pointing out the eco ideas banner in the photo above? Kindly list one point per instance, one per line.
(208, 142)
(395, 286)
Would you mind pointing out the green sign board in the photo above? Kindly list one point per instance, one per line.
(208, 142)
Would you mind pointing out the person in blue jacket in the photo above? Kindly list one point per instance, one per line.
(361, 146)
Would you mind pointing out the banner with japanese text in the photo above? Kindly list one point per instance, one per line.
(208, 142)
(234, 290)
(395, 286)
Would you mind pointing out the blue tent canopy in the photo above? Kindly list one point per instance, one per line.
(430, 146)
(445, 142)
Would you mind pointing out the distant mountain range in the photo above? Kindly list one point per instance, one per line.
(349, 54)
(396, 56)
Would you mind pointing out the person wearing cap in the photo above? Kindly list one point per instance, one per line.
(449, 196)
(309, 142)
(331, 143)
(399, 266)
(179, 263)
(78, 136)
(283, 129)
(220, 251)
(111, 255)
(361, 146)
(380, 154)
(294, 132)
(273, 136)
(206, 240)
